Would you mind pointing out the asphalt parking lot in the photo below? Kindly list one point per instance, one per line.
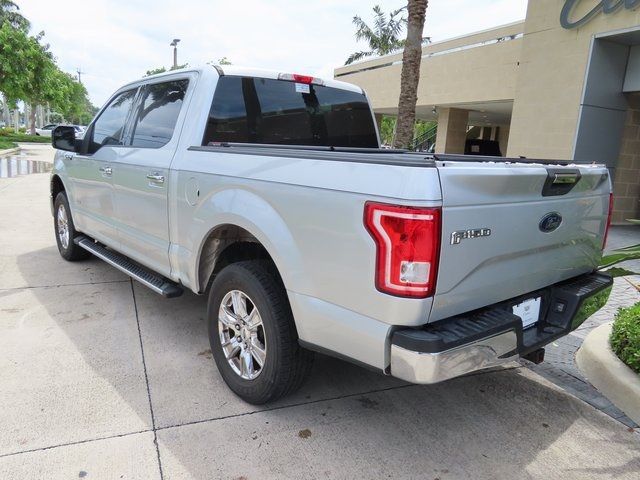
(101, 378)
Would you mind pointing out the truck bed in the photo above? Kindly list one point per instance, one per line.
(506, 197)
(399, 157)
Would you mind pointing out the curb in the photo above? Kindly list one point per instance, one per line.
(608, 373)
(9, 151)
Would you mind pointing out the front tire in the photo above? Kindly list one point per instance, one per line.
(65, 231)
(252, 333)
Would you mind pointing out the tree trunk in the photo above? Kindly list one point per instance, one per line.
(411, 58)
(32, 119)
(4, 117)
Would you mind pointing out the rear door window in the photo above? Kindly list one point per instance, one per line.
(268, 111)
(108, 129)
(157, 113)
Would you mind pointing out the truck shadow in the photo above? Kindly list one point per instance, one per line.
(346, 422)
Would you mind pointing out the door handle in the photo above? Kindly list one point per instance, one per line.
(156, 177)
(106, 171)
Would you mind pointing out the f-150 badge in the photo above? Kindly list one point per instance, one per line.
(457, 237)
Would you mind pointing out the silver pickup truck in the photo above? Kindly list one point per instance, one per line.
(268, 192)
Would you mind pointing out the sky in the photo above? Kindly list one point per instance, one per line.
(116, 41)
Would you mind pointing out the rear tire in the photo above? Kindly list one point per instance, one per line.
(261, 359)
(65, 231)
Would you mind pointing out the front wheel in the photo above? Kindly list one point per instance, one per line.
(252, 333)
(65, 230)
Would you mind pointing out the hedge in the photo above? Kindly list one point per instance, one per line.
(625, 336)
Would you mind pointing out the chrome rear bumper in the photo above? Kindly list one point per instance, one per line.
(494, 336)
(418, 367)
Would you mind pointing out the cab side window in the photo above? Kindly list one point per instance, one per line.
(157, 113)
(108, 129)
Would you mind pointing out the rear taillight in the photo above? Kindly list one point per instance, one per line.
(408, 247)
(606, 230)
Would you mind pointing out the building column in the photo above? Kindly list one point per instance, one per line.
(452, 130)
(503, 138)
(626, 184)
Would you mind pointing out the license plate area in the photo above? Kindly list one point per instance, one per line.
(529, 311)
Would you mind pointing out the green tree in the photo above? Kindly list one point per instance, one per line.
(74, 105)
(383, 37)
(422, 127)
(10, 13)
(224, 61)
(28, 71)
(155, 71)
(43, 80)
(14, 53)
(387, 129)
(410, 76)
(56, 117)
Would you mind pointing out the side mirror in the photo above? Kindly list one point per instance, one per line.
(64, 138)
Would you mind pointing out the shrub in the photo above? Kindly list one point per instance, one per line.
(625, 337)
(6, 144)
(8, 135)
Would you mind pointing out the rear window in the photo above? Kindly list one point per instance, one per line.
(268, 111)
(158, 113)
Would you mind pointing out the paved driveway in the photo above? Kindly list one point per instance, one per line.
(101, 378)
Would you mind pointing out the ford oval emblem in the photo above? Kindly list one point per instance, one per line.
(550, 222)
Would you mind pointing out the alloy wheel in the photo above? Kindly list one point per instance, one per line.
(63, 227)
(242, 335)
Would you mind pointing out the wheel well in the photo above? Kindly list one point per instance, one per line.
(56, 187)
(225, 245)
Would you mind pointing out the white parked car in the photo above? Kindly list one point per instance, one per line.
(46, 130)
(79, 130)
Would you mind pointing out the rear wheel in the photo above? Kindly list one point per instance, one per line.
(252, 333)
(65, 230)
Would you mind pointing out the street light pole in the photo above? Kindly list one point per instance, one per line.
(174, 44)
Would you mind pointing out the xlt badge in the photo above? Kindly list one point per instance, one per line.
(457, 237)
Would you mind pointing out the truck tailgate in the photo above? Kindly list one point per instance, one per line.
(500, 233)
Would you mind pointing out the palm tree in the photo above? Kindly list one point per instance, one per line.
(383, 37)
(411, 58)
(9, 12)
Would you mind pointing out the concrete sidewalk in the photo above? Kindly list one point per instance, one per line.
(39, 152)
(101, 378)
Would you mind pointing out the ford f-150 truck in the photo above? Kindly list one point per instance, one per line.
(269, 192)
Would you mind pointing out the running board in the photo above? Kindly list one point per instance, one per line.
(155, 282)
